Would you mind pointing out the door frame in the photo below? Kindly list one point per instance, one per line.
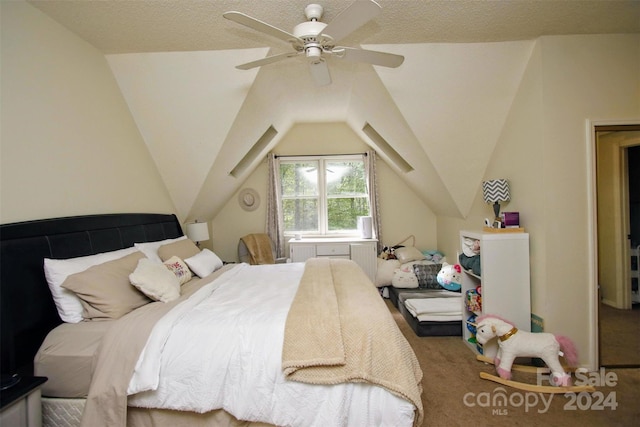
(592, 232)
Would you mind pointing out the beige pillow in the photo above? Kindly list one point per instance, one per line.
(183, 249)
(155, 280)
(178, 267)
(408, 254)
(105, 291)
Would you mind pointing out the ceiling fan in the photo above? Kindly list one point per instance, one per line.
(317, 40)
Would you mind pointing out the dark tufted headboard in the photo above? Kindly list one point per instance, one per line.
(27, 311)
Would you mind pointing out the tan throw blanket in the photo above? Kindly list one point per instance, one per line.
(340, 330)
(259, 247)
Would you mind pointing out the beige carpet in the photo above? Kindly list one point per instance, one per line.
(455, 395)
(619, 336)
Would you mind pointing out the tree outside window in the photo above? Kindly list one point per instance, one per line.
(323, 195)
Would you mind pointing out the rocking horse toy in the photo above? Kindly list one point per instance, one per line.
(513, 343)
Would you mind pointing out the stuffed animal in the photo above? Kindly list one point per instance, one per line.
(387, 253)
(450, 277)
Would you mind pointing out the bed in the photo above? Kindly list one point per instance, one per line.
(410, 280)
(296, 344)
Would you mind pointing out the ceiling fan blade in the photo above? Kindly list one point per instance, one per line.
(263, 27)
(351, 18)
(374, 57)
(320, 73)
(267, 60)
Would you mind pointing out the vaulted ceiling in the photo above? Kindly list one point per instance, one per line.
(174, 62)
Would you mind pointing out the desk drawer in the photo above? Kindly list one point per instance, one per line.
(332, 249)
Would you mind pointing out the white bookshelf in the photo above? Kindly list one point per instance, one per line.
(505, 280)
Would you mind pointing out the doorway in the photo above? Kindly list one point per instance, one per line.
(618, 204)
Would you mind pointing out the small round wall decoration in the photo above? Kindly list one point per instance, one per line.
(249, 199)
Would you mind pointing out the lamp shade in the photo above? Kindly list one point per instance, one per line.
(198, 231)
(496, 190)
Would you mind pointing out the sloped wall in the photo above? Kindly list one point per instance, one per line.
(69, 144)
(402, 213)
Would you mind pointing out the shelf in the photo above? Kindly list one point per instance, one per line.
(503, 230)
(505, 278)
(471, 273)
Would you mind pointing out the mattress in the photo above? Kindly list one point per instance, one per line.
(427, 327)
(66, 356)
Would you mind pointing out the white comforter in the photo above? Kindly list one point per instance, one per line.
(222, 348)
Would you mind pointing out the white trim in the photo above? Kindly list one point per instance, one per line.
(592, 237)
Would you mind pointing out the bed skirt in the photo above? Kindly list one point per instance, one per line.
(62, 412)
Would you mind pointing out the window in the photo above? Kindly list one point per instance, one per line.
(323, 195)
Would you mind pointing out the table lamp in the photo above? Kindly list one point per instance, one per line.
(496, 191)
(198, 232)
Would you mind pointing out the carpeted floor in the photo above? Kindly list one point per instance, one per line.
(455, 395)
(619, 336)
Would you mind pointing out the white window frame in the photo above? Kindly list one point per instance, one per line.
(323, 222)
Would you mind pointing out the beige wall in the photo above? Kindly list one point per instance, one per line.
(543, 152)
(610, 272)
(402, 213)
(68, 143)
(69, 146)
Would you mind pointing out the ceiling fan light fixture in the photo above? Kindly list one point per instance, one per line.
(314, 53)
(313, 12)
(309, 30)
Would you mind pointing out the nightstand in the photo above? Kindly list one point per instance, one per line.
(20, 404)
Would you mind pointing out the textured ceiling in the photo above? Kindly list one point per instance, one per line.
(116, 26)
(175, 60)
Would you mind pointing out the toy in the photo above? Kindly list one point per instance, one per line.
(449, 277)
(473, 300)
(387, 253)
(514, 343)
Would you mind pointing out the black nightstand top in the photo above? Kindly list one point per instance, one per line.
(22, 388)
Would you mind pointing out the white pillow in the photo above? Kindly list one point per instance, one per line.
(404, 277)
(150, 249)
(155, 281)
(384, 273)
(56, 272)
(204, 263)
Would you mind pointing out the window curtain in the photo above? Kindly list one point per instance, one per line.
(372, 189)
(275, 224)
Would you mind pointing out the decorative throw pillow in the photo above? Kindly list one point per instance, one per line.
(155, 280)
(408, 254)
(179, 269)
(183, 249)
(404, 278)
(427, 275)
(150, 249)
(105, 290)
(204, 263)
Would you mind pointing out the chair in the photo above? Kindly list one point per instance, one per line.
(258, 248)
